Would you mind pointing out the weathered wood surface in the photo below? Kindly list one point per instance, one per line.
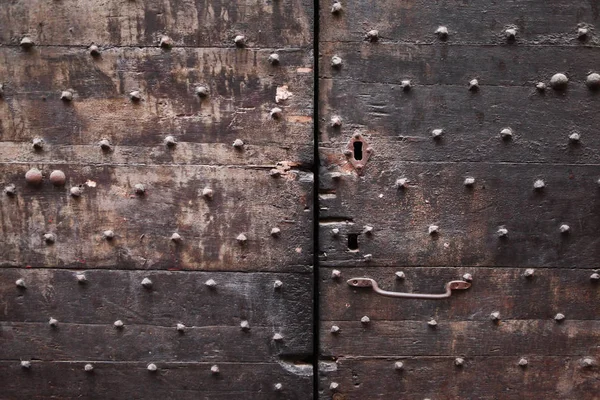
(399, 123)
(68, 380)
(486, 378)
(214, 23)
(242, 90)
(503, 195)
(455, 338)
(457, 65)
(506, 290)
(549, 22)
(175, 297)
(245, 200)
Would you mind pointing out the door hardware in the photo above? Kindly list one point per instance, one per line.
(368, 282)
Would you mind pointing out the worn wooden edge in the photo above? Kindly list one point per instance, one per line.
(511, 292)
(488, 377)
(127, 380)
(467, 338)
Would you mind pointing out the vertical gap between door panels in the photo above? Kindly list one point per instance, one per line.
(316, 164)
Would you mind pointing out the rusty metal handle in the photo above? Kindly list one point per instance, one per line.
(368, 282)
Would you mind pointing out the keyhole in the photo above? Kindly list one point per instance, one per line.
(358, 151)
(353, 241)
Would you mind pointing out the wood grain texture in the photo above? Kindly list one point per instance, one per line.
(213, 23)
(548, 23)
(468, 217)
(486, 378)
(506, 290)
(457, 65)
(67, 380)
(247, 201)
(399, 123)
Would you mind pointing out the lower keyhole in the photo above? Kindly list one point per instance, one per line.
(352, 241)
(358, 150)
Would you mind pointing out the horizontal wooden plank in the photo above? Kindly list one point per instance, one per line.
(68, 380)
(465, 338)
(175, 297)
(458, 65)
(245, 201)
(132, 23)
(505, 290)
(242, 91)
(70, 342)
(468, 218)
(399, 124)
(485, 378)
(472, 23)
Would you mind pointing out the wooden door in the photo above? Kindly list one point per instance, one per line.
(483, 167)
(171, 257)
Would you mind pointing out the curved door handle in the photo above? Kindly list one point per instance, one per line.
(368, 282)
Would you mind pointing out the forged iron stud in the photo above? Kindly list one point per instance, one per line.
(506, 133)
(152, 367)
(20, 283)
(510, 33)
(278, 387)
(442, 32)
(25, 364)
(34, 176)
(76, 191)
(49, 238)
(245, 325)
(277, 337)
(211, 283)
(335, 232)
(165, 42)
(53, 322)
(336, 175)
(473, 85)
(336, 8)
(201, 91)
(559, 317)
(336, 274)
(574, 137)
(214, 369)
(368, 257)
(139, 189)
(559, 81)
(495, 316)
(437, 133)
(587, 362)
(564, 228)
(372, 35)
(176, 237)
(400, 275)
(529, 273)
(276, 112)
(398, 365)
(523, 362)
(275, 232)
(240, 40)
(10, 190)
(274, 59)
(238, 143)
(135, 95)
(88, 368)
(593, 80)
(334, 386)
(582, 33)
(467, 277)
(368, 230)
(147, 283)
(595, 276)
(207, 193)
(26, 42)
(336, 62)
(432, 323)
(37, 143)
(459, 361)
(108, 235)
(539, 184)
(180, 327)
(365, 320)
(81, 278)
(336, 121)
(170, 141)
(94, 50)
(277, 284)
(540, 86)
(58, 178)
(406, 85)
(433, 230)
(118, 324)
(402, 183)
(66, 95)
(502, 232)
(469, 181)
(335, 329)
(242, 239)
(105, 144)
